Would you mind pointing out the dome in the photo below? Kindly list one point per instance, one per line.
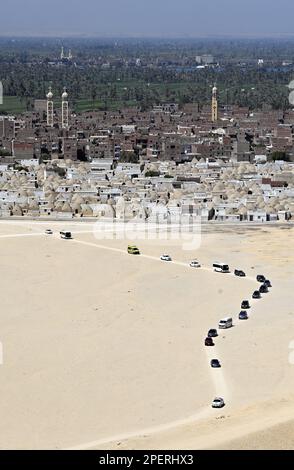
(17, 210)
(33, 206)
(87, 211)
(76, 207)
(50, 94)
(66, 207)
(64, 95)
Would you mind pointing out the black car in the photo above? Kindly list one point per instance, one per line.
(215, 363)
(267, 283)
(243, 315)
(209, 342)
(245, 305)
(256, 295)
(212, 333)
(260, 278)
(263, 289)
(239, 273)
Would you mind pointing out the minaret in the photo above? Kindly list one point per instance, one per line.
(62, 53)
(1, 93)
(50, 108)
(64, 109)
(214, 105)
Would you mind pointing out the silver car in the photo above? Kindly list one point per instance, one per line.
(166, 258)
(218, 403)
(195, 264)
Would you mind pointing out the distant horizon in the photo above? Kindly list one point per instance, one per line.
(58, 35)
(157, 19)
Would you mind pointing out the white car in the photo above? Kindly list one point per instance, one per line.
(166, 258)
(195, 264)
(49, 232)
(218, 403)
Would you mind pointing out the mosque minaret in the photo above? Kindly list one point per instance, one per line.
(214, 105)
(50, 108)
(65, 109)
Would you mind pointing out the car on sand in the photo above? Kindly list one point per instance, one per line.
(239, 273)
(133, 250)
(218, 403)
(195, 264)
(243, 315)
(209, 342)
(66, 235)
(263, 289)
(245, 305)
(256, 295)
(212, 333)
(166, 258)
(215, 364)
(49, 232)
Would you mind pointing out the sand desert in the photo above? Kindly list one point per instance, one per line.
(106, 350)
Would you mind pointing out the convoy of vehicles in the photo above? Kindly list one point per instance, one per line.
(225, 323)
(228, 322)
(133, 250)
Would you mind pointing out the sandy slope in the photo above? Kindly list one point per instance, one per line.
(100, 346)
(265, 425)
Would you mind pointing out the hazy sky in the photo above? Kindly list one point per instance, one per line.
(147, 17)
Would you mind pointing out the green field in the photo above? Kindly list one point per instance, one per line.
(13, 105)
(90, 105)
(117, 95)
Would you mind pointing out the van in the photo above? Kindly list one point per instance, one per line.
(133, 250)
(221, 267)
(225, 323)
(66, 235)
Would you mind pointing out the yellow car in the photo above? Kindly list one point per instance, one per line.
(133, 250)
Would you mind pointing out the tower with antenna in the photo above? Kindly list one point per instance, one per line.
(214, 105)
(50, 108)
(62, 53)
(65, 109)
